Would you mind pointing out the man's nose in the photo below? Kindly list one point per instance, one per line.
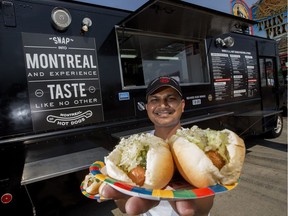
(164, 103)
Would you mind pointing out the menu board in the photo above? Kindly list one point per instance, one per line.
(234, 74)
(63, 81)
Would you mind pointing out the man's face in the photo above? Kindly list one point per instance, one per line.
(165, 107)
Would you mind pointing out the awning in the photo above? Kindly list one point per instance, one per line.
(183, 20)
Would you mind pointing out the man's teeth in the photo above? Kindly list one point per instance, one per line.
(163, 113)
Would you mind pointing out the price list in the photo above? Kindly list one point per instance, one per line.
(222, 71)
(239, 84)
(234, 74)
(251, 66)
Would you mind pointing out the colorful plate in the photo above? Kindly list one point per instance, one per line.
(175, 189)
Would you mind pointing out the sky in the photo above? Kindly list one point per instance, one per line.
(220, 5)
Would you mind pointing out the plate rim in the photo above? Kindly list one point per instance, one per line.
(157, 194)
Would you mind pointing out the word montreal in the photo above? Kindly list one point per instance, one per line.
(36, 61)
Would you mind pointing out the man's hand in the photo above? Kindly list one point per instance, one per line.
(137, 205)
(128, 204)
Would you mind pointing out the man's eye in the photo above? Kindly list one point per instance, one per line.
(172, 99)
(154, 100)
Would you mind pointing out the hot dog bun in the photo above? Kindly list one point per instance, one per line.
(198, 166)
(141, 152)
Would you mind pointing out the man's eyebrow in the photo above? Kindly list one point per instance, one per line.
(153, 96)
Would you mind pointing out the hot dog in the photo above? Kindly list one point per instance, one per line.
(207, 157)
(141, 159)
(91, 184)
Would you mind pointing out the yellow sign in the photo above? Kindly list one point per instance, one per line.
(240, 10)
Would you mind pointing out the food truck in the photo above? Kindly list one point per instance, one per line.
(73, 81)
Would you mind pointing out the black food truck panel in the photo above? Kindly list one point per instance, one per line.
(63, 81)
(50, 76)
(233, 74)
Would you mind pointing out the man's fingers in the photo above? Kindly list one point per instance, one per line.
(128, 204)
(200, 206)
(137, 205)
(185, 207)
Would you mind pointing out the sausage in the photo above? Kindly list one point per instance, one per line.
(137, 175)
(216, 159)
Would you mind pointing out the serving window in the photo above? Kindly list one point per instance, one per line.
(144, 57)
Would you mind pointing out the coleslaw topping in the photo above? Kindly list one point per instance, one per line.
(134, 149)
(207, 139)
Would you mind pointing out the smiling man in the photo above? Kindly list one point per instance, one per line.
(165, 105)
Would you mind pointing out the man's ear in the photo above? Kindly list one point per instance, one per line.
(183, 105)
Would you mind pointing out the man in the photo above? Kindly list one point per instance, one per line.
(165, 105)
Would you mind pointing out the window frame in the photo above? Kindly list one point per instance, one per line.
(202, 51)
